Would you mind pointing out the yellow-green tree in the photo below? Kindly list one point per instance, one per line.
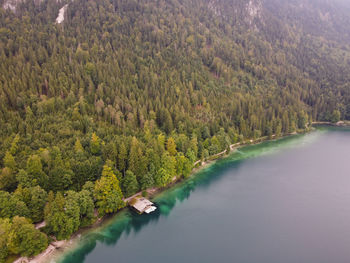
(107, 192)
(95, 144)
(24, 239)
(78, 147)
(171, 146)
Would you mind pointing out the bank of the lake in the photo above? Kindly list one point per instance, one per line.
(55, 249)
(126, 228)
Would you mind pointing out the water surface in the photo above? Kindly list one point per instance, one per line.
(276, 202)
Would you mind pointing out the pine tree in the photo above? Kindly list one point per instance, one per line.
(122, 157)
(9, 161)
(86, 205)
(35, 198)
(72, 210)
(14, 145)
(34, 170)
(8, 179)
(78, 147)
(171, 146)
(134, 156)
(95, 144)
(147, 181)
(130, 184)
(187, 168)
(57, 221)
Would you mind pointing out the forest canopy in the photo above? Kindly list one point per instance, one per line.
(123, 96)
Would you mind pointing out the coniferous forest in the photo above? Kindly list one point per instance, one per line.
(124, 95)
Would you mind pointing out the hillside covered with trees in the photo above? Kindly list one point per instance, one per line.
(124, 95)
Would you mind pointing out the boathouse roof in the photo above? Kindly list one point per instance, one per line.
(142, 204)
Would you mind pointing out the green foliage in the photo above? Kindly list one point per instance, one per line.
(167, 171)
(122, 157)
(169, 164)
(89, 187)
(162, 178)
(147, 181)
(36, 204)
(35, 199)
(85, 169)
(35, 173)
(180, 160)
(183, 165)
(335, 116)
(78, 147)
(130, 184)
(86, 205)
(72, 210)
(135, 158)
(11, 205)
(23, 178)
(9, 161)
(5, 229)
(14, 145)
(107, 192)
(95, 144)
(191, 155)
(187, 168)
(8, 181)
(23, 239)
(60, 175)
(186, 87)
(171, 146)
(65, 214)
(57, 221)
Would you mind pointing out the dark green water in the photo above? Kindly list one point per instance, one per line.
(277, 202)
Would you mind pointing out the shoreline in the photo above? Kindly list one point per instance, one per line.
(336, 124)
(58, 248)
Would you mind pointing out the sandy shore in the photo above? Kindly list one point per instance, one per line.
(47, 253)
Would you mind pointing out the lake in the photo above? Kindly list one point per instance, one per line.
(277, 202)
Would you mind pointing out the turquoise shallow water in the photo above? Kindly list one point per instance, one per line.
(279, 201)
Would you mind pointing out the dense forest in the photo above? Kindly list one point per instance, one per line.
(124, 95)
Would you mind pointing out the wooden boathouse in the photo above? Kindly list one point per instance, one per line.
(142, 205)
